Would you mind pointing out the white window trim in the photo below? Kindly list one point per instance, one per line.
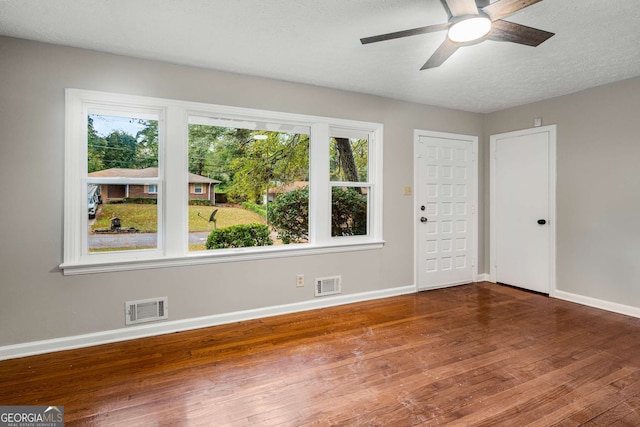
(149, 188)
(374, 206)
(173, 180)
(195, 191)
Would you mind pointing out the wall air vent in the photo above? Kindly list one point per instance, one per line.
(328, 285)
(146, 310)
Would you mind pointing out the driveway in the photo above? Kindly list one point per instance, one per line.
(136, 240)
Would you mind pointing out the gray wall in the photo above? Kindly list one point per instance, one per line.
(598, 192)
(37, 302)
(598, 187)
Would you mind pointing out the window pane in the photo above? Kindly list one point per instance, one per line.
(122, 215)
(123, 142)
(349, 159)
(248, 187)
(349, 211)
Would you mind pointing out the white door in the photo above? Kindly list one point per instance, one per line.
(445, 211)
(522, 208)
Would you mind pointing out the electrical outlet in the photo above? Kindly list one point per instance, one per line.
(300, 280)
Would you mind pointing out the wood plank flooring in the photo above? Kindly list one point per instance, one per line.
(474, 355)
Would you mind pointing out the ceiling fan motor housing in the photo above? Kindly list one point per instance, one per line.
(469, 28)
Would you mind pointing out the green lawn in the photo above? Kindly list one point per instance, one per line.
(226, 217)
(144, 217)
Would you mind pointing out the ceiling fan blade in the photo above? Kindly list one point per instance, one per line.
(462, 7)
(446, 49)
(510, 32)
(503, 8)
(446, 8)
(405, 33)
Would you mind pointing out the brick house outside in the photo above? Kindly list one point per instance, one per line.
(200, 187)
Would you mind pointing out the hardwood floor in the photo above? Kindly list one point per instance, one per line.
(473, 355)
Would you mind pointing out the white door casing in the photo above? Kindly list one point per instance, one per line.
(522, 203)
(446, 196)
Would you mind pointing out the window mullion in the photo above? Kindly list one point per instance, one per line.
(319, 191)
(176, 181)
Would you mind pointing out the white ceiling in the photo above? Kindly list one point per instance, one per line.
(317, 42)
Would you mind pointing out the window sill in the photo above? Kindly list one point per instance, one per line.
(221, 256)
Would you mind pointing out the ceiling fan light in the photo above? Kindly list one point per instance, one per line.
(469, 29)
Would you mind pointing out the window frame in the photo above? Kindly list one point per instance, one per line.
(195, 188)
(173, 185)
(336, 131)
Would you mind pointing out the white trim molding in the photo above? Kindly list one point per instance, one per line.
(160, 328)
(232, 255)
(597, 303)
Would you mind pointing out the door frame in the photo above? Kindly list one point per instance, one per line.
(473, 140)
(551, 131)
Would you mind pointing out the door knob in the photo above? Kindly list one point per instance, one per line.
(423, 219)
(542, 221)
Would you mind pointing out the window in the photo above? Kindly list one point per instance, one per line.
(121, 166)
(283, 182)
(350, 189)
(263, 170)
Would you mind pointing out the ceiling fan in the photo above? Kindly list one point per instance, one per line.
(471, 22)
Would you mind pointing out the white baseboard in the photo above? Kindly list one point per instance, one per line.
(597, 303)
(484, 277)
(87, 340)
(588, 301)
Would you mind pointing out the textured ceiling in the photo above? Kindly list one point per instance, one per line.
(317, 42)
